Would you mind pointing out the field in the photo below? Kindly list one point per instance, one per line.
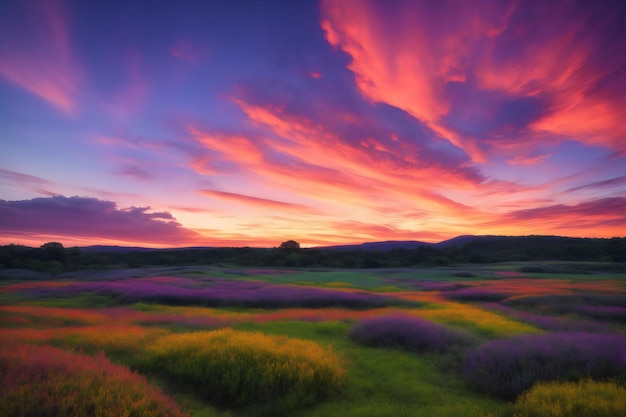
(480, 340)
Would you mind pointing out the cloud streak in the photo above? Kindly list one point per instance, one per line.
(24, 181)
(604, 217)
(608, 183)
(262, 203)
(40, 58)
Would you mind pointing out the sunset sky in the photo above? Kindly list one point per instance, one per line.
(247, 123)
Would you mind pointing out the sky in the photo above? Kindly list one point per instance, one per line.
(248, 123)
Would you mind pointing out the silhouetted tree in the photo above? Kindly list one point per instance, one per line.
(290, 245)
(54, 251)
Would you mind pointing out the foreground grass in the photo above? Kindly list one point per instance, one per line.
(49, 382)
(386, 382)
(377, 381)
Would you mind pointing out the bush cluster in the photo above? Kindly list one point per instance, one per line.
(572, 399)
(506, 368)
(45, 381)
(236, 368)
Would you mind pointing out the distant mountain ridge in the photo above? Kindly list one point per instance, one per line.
(373, 246)
(383, 246)
(466, 249)
(405, 244)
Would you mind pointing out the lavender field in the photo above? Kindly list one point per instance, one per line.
(201, 341)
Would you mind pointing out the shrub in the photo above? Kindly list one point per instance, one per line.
(506, 368)
(572, 399)
(237, 368)
(47, 381)
(407, 332)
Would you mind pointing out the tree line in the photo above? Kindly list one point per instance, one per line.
(55, 258)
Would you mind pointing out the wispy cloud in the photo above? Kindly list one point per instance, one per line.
(604, 217)
(257, 201)
(136, 172)
(40, 58)
(480, 73)
(608, 183)
(30, 182)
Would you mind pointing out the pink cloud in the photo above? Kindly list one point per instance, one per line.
(362, 169)
(136, 172)
(39, 58)
(367, 232)
(29, 182)
(491, 76)
(256, 201)
(603, 184)
(605, 217)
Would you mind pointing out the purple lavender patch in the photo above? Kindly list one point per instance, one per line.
(407, 332)
(225, 293)
(550, 323)
(506, 368)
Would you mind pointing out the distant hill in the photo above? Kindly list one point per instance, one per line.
(113, 249)
(408, 244)
(459, 241)
(378, 246)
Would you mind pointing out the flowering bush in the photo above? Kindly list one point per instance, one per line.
(46, 381)
(408, 332)
(506, 368)
(572, 399)
(242, 368)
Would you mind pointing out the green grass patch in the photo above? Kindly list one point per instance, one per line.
(387, 382)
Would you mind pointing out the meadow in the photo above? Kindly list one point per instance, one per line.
(499, 340)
